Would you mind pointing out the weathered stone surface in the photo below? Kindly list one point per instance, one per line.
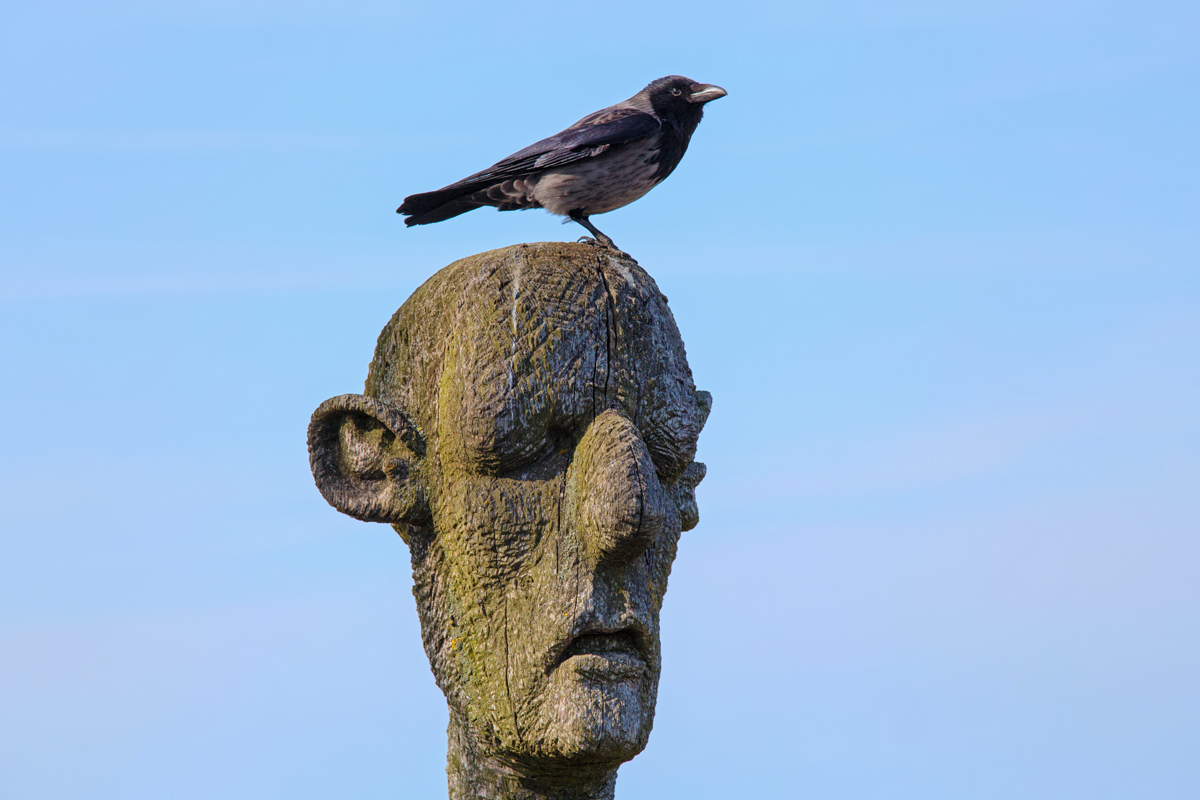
(528, 426)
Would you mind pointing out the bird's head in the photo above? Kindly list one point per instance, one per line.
(678, 98)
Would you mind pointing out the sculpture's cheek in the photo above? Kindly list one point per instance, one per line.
(492, 623)
(493, 526)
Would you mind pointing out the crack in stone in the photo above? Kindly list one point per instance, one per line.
(610, 313)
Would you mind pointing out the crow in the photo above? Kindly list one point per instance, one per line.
(604, 161)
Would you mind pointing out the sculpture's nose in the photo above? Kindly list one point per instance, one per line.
(618, 503)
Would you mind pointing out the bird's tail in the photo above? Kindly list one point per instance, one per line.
(507, 194)
(422, 209)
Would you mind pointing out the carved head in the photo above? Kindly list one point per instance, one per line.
(529, 426)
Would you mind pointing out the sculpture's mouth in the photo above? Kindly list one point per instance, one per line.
(612, 655)
(621, 642)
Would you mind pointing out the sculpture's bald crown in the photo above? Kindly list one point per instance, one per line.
(500, 354)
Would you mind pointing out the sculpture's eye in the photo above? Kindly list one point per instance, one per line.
(676, 92)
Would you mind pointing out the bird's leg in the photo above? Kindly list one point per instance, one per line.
(601, 239)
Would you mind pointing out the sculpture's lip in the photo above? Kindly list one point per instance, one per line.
(610, 666)
(624, 648)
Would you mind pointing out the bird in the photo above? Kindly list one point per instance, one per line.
(604, 161)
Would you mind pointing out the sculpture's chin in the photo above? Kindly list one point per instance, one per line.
(597, 710)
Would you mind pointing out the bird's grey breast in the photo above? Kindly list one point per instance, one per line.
(612, 179)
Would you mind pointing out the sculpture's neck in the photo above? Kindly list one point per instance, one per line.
(475, 776)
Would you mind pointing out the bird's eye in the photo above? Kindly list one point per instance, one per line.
(676, 92)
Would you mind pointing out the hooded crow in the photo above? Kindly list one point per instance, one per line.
(606, 160)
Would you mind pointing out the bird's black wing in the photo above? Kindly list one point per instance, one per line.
(587, 138)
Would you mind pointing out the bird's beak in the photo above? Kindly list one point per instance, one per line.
(704, 93)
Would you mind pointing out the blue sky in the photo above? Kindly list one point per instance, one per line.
(936, 263)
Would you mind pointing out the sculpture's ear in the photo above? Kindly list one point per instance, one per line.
(704, 403)
(367, 458)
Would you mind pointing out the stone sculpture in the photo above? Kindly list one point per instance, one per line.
(528, 427)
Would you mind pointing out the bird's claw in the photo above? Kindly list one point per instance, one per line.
(605, 245)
